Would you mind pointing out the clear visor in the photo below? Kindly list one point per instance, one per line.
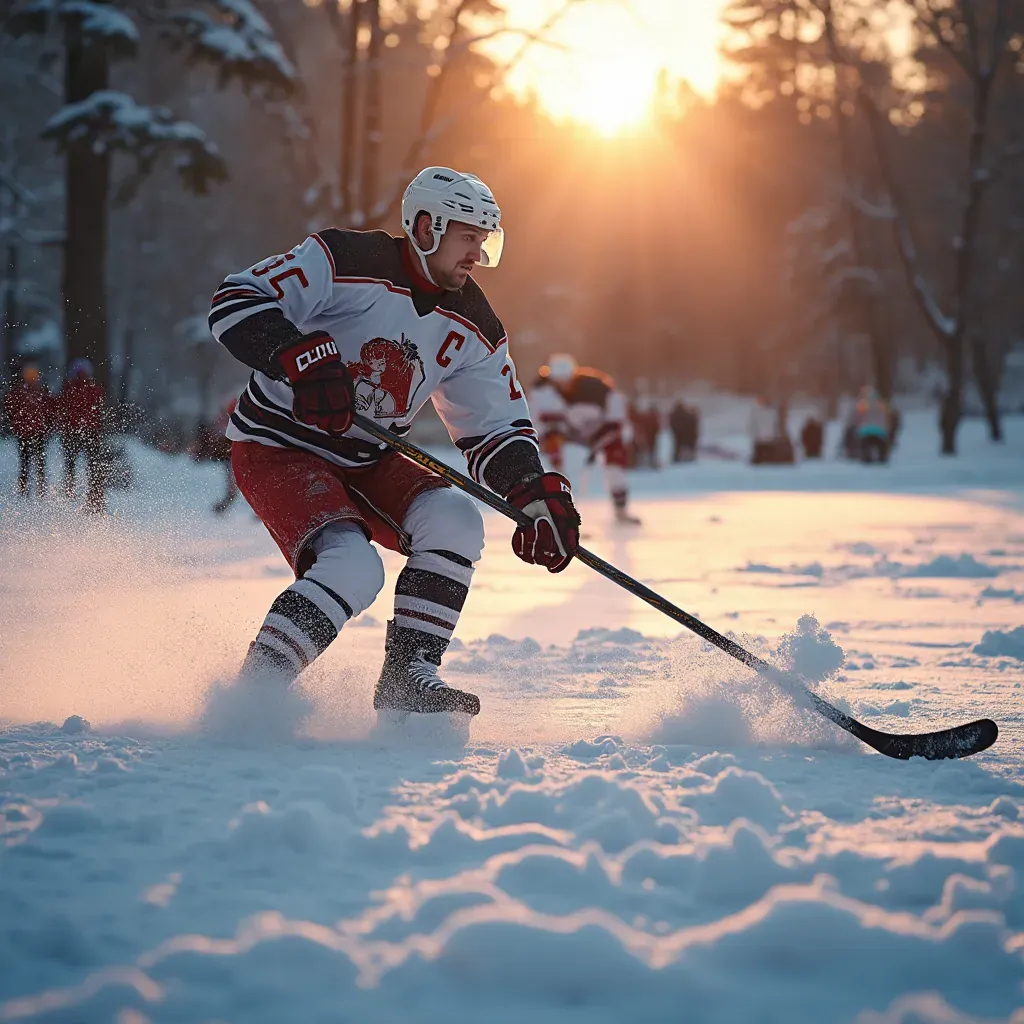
(490, 248)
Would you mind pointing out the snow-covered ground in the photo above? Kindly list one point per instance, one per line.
(636, 829)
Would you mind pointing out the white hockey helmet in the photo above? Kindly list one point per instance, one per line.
(561, 367)
(449, 195)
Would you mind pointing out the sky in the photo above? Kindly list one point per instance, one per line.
(606, 73)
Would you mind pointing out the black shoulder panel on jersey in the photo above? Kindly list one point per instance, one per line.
(364, 254)
(471, 303)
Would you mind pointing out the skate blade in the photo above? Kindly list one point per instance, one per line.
(407, 728)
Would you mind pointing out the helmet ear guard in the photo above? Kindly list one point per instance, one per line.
(437, 227)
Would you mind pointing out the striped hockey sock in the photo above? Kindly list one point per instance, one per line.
(431, 591)
(302, 623)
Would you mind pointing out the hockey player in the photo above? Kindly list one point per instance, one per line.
(361, 320)
(581, 405)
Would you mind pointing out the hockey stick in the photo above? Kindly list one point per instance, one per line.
(960, 741)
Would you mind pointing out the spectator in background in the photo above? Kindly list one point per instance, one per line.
(895, 422)
(872, 420)
(684, 422)
(80, 418)
(770, 444)
(29, 409)
(643, 415)
(812, 437)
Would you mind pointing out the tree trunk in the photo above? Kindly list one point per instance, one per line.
(864, 253)
(952, 401)
(10, 316)
(988, 385)
(86, 189)
(881, 356)
(347, 156)
(372, 114)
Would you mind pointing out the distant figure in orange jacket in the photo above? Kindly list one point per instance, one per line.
(80, 418)
(29, 409)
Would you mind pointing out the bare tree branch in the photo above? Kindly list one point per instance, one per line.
(999, 43)
(931, 17)
(973, 36)
(943, 325)
(430, 129)
(882, 210)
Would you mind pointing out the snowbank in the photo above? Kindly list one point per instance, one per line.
(637, 828)
(1002, 643)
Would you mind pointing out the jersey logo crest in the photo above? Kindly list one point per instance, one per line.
(387, 376)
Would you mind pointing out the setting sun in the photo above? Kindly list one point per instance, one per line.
(602, 71)
(609, 93)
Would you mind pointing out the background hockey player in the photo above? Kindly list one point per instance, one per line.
(29, 409)
(351, 316)
(579, 405)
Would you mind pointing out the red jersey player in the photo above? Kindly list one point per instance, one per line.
(581, 405)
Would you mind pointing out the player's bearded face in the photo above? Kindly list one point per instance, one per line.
(457, 254)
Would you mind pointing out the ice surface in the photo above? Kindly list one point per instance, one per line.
(635, 828)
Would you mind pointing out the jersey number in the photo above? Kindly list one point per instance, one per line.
(513, 391)
(275, 281)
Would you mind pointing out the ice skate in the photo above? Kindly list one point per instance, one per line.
(409, 683)
(626, 518)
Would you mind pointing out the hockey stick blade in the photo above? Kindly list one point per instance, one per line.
(960, 741)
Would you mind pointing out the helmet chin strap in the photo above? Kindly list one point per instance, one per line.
(422, 257)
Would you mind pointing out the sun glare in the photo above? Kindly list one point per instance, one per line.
(603, 67)
(612, 95)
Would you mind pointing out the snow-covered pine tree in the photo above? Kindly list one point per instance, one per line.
(96, 122)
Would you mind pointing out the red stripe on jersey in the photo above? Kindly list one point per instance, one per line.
(327, 253)
(469, 325)
(235, 293)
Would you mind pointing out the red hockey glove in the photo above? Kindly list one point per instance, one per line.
(553, 538)
(324, 392)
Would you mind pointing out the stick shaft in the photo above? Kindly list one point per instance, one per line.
(959, 741)
(598, 564)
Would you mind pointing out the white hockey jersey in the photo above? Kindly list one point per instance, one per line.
(402, 341)
(585, 409)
